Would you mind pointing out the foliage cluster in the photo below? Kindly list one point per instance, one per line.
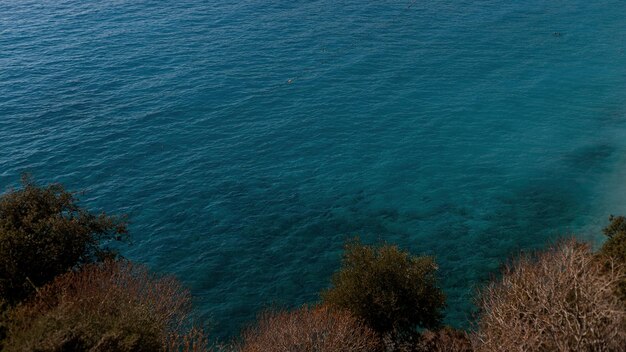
(391, 290)
(44, 233)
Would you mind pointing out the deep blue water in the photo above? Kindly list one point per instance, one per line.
(248, 139)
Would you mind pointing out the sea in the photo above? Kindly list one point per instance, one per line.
(248, 140)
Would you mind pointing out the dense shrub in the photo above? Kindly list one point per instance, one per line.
(115, 306)
(388, 288)
(318, 329)
(558, 300)
(43, 233)
(615, 247)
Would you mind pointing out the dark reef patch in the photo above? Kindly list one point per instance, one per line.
(590, 157)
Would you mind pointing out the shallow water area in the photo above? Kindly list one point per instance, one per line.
(248, 140)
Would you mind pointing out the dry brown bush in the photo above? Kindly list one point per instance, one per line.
(316, 329)
(445, 340)
(193, 340)
(115, 306)
(559, 300)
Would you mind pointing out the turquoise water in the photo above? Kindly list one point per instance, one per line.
(247, 140)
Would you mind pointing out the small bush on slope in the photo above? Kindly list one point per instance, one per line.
(115, 306)
(391, 290)
(318, 329)
(559, 300)
(44, 233)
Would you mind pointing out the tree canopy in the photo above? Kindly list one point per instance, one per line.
(388, 288)
(44, 232)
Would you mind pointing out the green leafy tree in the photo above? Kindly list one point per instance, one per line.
(44, 233)
(390, 289)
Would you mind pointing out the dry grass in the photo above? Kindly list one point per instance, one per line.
(317, 329)
(116, 306)
(559, 300)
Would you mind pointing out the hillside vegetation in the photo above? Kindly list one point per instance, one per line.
(62, 288)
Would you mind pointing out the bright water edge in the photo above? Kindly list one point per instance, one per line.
(247, 140)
